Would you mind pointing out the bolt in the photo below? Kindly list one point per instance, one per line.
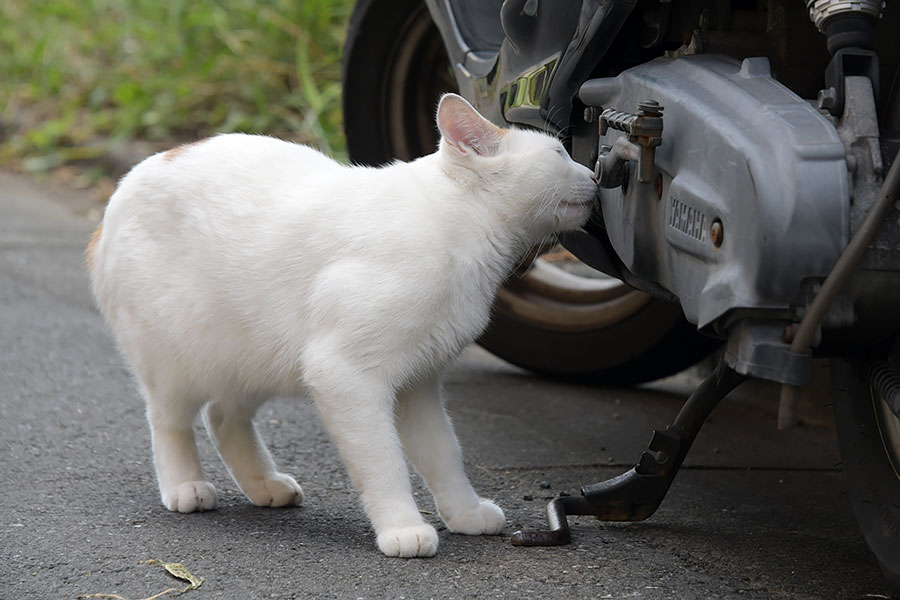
(650, 108)
(717, 233)
(590, 114)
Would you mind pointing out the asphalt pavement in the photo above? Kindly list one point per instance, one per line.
(755, 513)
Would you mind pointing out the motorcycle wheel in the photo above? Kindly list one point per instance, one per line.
(547, 320)
(869, 440)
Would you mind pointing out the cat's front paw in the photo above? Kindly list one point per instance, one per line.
(409, 542)
(190, 496)
(276, 490)
(486, 518)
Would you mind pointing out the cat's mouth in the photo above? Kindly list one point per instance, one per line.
(593, 201)
(582, 193)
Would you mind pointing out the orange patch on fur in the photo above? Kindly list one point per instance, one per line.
(171, 154)
(92, 245)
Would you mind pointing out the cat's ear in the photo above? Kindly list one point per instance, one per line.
(464, 130)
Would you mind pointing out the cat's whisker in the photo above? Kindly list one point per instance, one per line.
(545, 201)
(551, 116)
(551, 198)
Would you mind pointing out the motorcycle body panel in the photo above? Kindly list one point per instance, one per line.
(523, 64)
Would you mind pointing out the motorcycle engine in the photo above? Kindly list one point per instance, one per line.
(744, 202)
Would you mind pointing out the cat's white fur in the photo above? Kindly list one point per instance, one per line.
(244, 267)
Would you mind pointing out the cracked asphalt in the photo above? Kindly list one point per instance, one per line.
(755, 513)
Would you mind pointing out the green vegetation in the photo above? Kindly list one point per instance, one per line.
(79, 75)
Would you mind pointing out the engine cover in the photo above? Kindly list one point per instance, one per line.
(751, 196)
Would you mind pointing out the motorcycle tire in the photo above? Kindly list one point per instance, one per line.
(869, 439)
(395, 69)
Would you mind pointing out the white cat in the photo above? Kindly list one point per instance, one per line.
(243, 267)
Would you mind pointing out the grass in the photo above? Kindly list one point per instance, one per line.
(78, 76)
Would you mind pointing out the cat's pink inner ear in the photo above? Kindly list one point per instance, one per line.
(464, 129)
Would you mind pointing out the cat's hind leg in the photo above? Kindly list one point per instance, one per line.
(434, 450)
(178, 471)
(230, 424)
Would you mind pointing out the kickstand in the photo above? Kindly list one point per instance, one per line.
(636, 494)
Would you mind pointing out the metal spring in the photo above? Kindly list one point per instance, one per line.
(821, 11)
(884, 379)
(621, 121)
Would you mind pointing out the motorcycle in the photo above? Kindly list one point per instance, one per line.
(745, 153)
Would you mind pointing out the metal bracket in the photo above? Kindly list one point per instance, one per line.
(644, 131)
(757, 348)
(845, 63)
